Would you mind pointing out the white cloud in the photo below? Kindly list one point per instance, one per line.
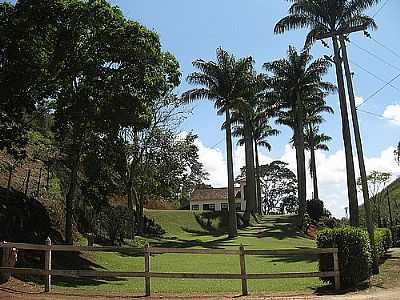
(392, 112)
(331, 171)
(358, 100)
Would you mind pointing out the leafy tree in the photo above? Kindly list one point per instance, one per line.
(333, 18)
(279, 186)
(297, 85)
(376, 183)
(223, 82)
(107, 70)
(25, 79)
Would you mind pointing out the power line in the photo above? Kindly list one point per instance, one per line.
(381, 117)
(216, 144)
(380, 9)
(374, 55)
(373, 75)
(379, 90)
(385, 47)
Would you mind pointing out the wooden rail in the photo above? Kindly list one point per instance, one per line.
(147, 251)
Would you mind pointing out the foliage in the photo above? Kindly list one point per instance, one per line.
(315, 209)
(279, 186)
(297, 86)
(354, 254)
(396, 235)
(328, 221)
(383, 241)
(376, 181)
(222, 82)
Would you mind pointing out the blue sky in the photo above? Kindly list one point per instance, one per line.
(194, 29)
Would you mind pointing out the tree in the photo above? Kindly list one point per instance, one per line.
(315, 141)
(244, 118)
(297, 84)
(376, 183)
(333, 19)
(108, 70)
(261, 132)
(223, 82)
(25, 80)
(279, 185)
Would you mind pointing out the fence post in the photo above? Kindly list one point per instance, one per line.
(243, 271)
(147, 269)
(336, 269)
(6, 261)
(47, 266)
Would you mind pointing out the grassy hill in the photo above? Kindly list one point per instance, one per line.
(184, 230)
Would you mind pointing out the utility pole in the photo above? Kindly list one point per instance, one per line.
(360, 154)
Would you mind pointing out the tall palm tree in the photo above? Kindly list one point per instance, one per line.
(223, 83)
(314, 140)
(261, 132)
(243, 117)
(333, 18)
(297, 82)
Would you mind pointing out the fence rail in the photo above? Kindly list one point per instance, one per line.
(48, 248)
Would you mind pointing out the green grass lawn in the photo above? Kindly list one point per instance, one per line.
(271, 232)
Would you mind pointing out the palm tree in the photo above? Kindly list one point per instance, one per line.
(243, 117)
(261, 132)
(223, 83)
(315, 141)
(297, 82)
(332, 18)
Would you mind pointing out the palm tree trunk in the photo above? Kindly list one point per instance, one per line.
(300, 158)
(250, 175)
(259, 204)
(351, 178)
(231, 188)
(360, 155)
(314, 172)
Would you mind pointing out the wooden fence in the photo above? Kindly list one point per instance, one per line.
(47, 271)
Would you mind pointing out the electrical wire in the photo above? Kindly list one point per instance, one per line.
(374, 75)
(379, 90)
(380, 9)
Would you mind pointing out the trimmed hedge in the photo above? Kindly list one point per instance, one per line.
(354, 254)
(383, 241)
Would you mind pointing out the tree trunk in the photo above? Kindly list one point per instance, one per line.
(300, 158)
(259, 203)
(231, 188)
(70, 197)
(250, 175)
(351, 179)
(314, 172)
(360, 155)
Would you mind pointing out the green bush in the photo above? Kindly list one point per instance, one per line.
(315, 209)
(396, 235)
(354, 254)
(383, 241)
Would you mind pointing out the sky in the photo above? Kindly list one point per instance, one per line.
(194, 29)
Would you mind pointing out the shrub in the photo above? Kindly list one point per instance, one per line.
(354, 254)
(383, 241)
(329, 222)
(396, 235)
(315, 209)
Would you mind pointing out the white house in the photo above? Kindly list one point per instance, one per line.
(205, 197)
